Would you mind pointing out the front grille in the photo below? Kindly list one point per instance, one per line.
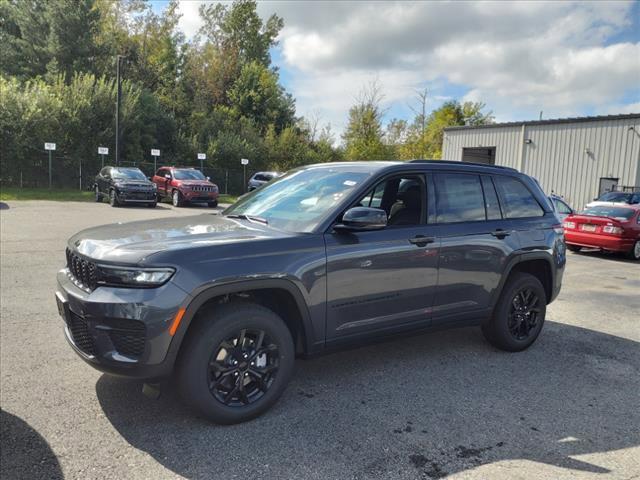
(83, 272)
(202, 188)
(80, 334)
(128, 338)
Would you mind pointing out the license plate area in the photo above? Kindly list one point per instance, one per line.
(587, 227)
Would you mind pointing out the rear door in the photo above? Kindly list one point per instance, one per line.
(383, 280)
(475, 243)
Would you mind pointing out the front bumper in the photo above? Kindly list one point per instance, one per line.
(135, 196)
(197, 196)
(121, 331)
(594, 240)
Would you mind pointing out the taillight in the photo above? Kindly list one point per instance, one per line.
(613, 230)
(570, 225)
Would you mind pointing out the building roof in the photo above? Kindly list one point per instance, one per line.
(551, 121)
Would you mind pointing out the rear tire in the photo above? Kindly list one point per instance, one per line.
(519, 315)
(212, 366)
(574, 248)
(634, 253)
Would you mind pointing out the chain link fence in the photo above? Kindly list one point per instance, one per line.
(72, 173)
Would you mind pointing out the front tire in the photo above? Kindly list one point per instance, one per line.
(519, 314)
(176, 199)
(213, 204)
(98, 195)
(236, 362)
(634, 253)
(152, 204)
(573, 248)
(113, 199)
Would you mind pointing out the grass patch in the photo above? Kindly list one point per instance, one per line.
(222, 198)
(60, 195)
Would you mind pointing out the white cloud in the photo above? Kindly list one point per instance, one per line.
(518, 57)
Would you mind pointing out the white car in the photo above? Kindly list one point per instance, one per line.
(615, 198)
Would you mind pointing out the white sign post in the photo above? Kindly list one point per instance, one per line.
(155, 153)
(202, 157)
(244, 162)
(49, 147)
(102, 151)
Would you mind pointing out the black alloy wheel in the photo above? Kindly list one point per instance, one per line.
(242, 368)
(523, 314)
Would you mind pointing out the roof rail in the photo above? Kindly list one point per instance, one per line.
(455, 162)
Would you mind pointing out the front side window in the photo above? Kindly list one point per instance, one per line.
(188, 174)
(516, 199)
(401, 197)
(459, 198)
(300, 200)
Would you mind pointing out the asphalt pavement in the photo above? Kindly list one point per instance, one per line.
(436, 405)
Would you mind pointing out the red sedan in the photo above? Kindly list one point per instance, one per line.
(607, 227)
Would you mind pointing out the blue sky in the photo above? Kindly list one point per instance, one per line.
(564, 58)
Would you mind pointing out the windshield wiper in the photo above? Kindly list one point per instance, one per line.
(251, 218)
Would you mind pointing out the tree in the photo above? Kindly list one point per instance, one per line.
(364, 137)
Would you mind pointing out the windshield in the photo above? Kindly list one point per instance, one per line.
(128, 174)
(619, 213)
(615, 197)
(189, 174)
(300, 200)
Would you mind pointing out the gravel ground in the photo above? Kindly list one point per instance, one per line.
(439, 405)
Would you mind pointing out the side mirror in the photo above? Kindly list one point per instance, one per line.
(362, 219)
(208, 179)
(167, 176)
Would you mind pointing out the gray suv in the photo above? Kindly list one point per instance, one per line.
(324, 257)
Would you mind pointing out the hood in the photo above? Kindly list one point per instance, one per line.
(132, 242)
(134, 183)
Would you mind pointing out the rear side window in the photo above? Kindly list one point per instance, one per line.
(517, 201)
(459, 198)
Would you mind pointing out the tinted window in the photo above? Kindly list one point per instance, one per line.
(561, 207)
(401, 197)
(459, 198)
(491, 200)
(620, 213)
(517, 201)
(261, 178)
(188, 174)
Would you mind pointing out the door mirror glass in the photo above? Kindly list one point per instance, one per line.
(208, 179)
(363, 218)
(167, 176)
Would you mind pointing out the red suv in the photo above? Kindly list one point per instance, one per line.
(185, 185)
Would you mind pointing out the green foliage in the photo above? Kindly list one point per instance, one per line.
(364, 136)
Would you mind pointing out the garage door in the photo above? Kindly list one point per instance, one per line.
(486, 155)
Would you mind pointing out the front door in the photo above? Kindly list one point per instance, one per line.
(385, 279)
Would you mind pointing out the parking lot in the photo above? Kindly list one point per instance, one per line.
(436, 405)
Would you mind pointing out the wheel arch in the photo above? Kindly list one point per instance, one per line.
(279, 295)
(538, 264)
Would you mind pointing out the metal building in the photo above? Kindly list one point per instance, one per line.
(578, 158)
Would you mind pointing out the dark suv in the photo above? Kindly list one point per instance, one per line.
(325, 256)
(122, 185)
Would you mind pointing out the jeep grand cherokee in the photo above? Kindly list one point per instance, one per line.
(326, 256)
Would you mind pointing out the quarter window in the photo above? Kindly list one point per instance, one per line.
(459, 198)
(517, 201)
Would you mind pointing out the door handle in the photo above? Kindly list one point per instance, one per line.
(499, 233)
(421, 240)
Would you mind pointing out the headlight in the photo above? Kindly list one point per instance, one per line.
(133, 276)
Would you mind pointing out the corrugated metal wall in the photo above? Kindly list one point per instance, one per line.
(566, 158)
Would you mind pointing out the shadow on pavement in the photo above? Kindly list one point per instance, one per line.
(23, 451)
(424, 406)
(611, 256)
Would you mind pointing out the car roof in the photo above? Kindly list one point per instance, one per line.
(376, 166)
